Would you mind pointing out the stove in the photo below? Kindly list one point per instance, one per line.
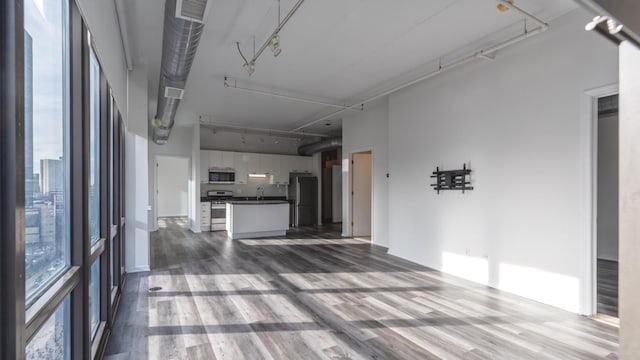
(218, 199)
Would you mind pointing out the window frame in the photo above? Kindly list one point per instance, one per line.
(19, 323)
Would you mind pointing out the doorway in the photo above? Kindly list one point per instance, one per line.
(172, 187)
(607, 207)
(361, 195)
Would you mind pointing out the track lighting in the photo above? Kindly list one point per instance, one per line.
(274, 45)
(250, 67)
(272, 42)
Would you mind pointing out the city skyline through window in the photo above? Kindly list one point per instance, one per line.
(46, 148)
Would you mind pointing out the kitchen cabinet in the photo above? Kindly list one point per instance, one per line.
(204, 166)
(267, 163)
(205, 216)
(227, 161)
(253, 163)
(241, 164)
(280, 170)
(215, 159)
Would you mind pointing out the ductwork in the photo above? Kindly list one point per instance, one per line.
(324, 145)
(179, 44)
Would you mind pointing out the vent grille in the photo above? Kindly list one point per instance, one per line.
(192, 10)
(173, 93)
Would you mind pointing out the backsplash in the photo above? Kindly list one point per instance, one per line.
(248, 189)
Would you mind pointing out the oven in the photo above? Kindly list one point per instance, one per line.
(218, 216)
(218, 199)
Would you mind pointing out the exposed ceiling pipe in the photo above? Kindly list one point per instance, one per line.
(482, 54)
(124, 33)
(288, 97)
(179, 44)
(251, 130)
(320, 146)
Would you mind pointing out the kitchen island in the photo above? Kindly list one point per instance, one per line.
(253, 219)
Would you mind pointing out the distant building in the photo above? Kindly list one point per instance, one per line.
(47, 222)
(29, 188)
(51, 176)
(32, 227)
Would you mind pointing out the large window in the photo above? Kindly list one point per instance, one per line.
(94, 297)
(52, 341)
(57, 161)
(94, 151)
(46, 118)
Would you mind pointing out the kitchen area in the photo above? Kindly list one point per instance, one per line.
(251, 195)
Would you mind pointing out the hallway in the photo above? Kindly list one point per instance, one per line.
(315, 295)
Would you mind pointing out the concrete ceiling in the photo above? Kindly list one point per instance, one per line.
(332, 50)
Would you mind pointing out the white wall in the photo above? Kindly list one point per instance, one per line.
(517, 122)
(368, 131)
(608, 187)
(173, 175)
(137, 175)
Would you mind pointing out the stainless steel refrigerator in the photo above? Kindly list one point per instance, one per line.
(303, 193)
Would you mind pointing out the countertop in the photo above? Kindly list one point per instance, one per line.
(257, 202)
(247, 198)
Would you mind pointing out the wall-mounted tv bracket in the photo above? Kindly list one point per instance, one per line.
(452, 179)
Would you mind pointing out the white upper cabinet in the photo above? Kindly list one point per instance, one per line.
(204, 166)
(280, 170)
(227, 160)
(277, 167)
(241, 165)
(253, 163)
(267, 163)
(215, 159)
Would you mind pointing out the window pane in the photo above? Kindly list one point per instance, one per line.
(94, 297)
(46, 150)
(94, 152)
(52, 341)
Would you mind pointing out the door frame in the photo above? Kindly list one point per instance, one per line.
(589, 135)
(350, 190)
(155, 185)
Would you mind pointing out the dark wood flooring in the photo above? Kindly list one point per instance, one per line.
(315, 295)
(607, 287)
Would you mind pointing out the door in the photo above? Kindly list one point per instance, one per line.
(607, 206)
(361, 194)
(306, 200)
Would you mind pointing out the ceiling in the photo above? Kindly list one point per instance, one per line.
(333, 51)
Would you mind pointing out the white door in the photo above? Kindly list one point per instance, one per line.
(173, 186)
(361, 194)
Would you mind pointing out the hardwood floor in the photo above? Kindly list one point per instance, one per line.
(314, 295)
(608, 287)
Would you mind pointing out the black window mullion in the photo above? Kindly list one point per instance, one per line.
(105, 226)
(12, 240)
(80, 247)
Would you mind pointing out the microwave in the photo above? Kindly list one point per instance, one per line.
(225, 176)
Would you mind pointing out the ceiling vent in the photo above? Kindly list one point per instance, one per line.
(173, 92)
(192, 10)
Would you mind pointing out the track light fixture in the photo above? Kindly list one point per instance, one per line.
(274, 45)
(250, 67)
(273, 41)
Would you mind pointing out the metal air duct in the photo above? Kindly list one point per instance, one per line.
(183, 26)
(324, 145)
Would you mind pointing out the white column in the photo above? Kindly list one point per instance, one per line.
(137, 174)
(629, 246)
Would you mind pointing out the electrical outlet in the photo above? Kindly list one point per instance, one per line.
(467, 251)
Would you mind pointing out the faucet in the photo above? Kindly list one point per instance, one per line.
(259, 193)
